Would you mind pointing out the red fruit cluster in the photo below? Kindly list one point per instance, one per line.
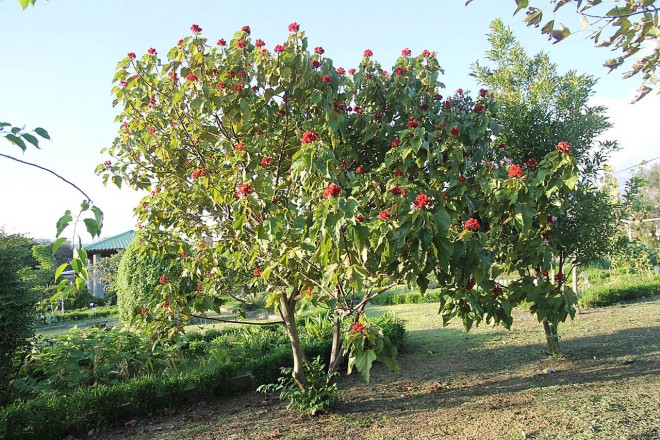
(242, 44)
(360, 218)
(243, 190)
(400, 70)
(326, 79)
(395, 143)
(469, 285)
(384, 214)
(260, 43)
(395, 190)
(166, 304)
(163, 280)
(246, 29)
(256, 272)
(341, 71)
(319, 50)
(398, 173)
(191, 77)
(483, 93)
(413, 124)
(131, 55)
(564, 147)
(144, 310)
(332, 190)
(200, 287)
(196, 29)
(222, 42)
(532, 163)
(266, 161)
(201, 172)
(551, 219)
(423, 201)
(479, 108)
(497, 291)
(547, 239)
(351, 71)
(357, 327)
(316, 64)
(309, 137)
(368, 53)
(472, 224)
(455, 131)
(515, 171)
(279, 48)
(359, 170)
(405, 52)
(239, 146)
(560, 277)
(294, 27)
(151, 51)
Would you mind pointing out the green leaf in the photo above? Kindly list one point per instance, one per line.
(60, 269)
(42, 132)
(56, 245)
(92, 226)
(16, 141)
(31, 139)
(63, 222)
(362, 361)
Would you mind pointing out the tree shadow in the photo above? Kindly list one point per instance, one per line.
(611, 358)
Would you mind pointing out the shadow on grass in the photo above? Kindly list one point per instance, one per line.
(579, 367)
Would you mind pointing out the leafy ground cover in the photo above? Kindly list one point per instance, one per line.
(486, 384)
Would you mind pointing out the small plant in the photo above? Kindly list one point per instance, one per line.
(366, 343)
(319, 395)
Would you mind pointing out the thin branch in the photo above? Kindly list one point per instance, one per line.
(233, 321)
(51, 172)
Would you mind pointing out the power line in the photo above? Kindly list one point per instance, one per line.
(642, 163)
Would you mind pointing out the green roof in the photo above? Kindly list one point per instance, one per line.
(120, 241)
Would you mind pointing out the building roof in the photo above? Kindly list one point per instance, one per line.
(117, 242)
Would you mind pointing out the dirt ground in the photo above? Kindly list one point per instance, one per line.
(487, 384)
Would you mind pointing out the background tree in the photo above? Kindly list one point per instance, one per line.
(16, 307)
(629, 27)
(538, 106)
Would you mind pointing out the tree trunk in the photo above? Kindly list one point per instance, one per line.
(337, 353)
(575, 287)
(287, 311)
(551, 337)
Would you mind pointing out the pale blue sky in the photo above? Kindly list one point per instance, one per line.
(58, 60)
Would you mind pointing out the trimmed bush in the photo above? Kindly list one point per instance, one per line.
(138, 274)
(55, 417)
(625, 289)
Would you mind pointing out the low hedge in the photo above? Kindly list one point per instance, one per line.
(624, 290)
(56, 416)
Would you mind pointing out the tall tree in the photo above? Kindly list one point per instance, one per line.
(629, 27)
(540, 106)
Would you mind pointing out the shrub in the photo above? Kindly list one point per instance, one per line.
(16, 309)
(138, 274)
(91, 356)
(320, 394)
(622, 289)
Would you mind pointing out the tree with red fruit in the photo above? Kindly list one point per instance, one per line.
(320, 223)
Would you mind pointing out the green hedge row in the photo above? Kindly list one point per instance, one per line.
(624, 290)
(56, 416)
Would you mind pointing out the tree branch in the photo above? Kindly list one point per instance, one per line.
(89, 199)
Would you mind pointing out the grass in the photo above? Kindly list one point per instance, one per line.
(487, 384)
